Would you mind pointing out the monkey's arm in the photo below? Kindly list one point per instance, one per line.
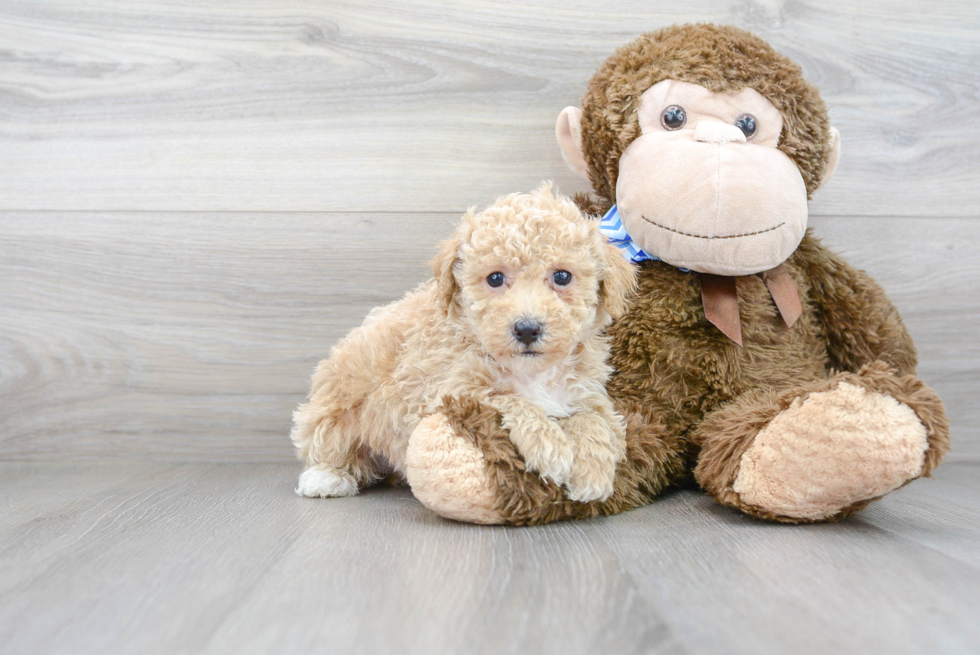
(860, 323)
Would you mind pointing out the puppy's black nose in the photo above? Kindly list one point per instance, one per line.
(527, 332)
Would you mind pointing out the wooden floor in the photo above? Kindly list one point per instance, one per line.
(223, 558)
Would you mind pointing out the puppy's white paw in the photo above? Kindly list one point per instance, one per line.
(318, 483)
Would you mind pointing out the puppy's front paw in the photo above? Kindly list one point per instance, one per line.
(591, 479)
(599, 444)
(545, 449)
(325, 483)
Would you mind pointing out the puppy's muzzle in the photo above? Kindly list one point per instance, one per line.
(527, 331)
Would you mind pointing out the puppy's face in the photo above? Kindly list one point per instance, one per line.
(533, 280)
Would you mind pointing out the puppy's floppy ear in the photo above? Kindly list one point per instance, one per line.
(442, 268)
(618, 282)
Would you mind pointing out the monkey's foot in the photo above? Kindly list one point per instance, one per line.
(448, 473)
(828, 452)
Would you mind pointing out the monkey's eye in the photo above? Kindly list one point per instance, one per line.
(562, 278)
(495, 279)
(746, 123)
(673, 118)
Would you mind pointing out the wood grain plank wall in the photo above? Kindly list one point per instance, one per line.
(428, 106)
(193, 336)
(198, 199)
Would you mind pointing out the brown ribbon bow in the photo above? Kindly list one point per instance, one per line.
(720, 300)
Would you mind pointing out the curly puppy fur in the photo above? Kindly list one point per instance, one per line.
(458, 334)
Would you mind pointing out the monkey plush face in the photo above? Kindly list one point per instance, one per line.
(714, 175)
(703, 187)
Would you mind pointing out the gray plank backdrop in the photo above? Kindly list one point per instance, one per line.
(198, 198)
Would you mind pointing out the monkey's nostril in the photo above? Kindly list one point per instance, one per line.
(527, 332)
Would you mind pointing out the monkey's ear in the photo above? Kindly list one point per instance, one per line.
(442, 268)
(569, 133)
(618, 283)
(834, 155)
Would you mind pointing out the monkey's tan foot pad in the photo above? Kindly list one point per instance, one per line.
(448, 473)
(833, 450)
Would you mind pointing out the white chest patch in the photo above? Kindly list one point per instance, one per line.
(556, 392)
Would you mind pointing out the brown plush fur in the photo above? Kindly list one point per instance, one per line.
(693, 400)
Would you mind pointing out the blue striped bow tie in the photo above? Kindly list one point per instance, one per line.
(611, 226)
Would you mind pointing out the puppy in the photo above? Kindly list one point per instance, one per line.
(514, 317)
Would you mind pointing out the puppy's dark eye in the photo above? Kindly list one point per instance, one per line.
(746, 123)
(673, 117)
(562, 278)
(495, 279)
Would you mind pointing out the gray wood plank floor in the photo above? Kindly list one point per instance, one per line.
(223, 558)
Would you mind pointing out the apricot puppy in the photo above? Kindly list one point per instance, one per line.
(515, 317)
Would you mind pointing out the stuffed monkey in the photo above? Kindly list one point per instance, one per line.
(753, 361)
